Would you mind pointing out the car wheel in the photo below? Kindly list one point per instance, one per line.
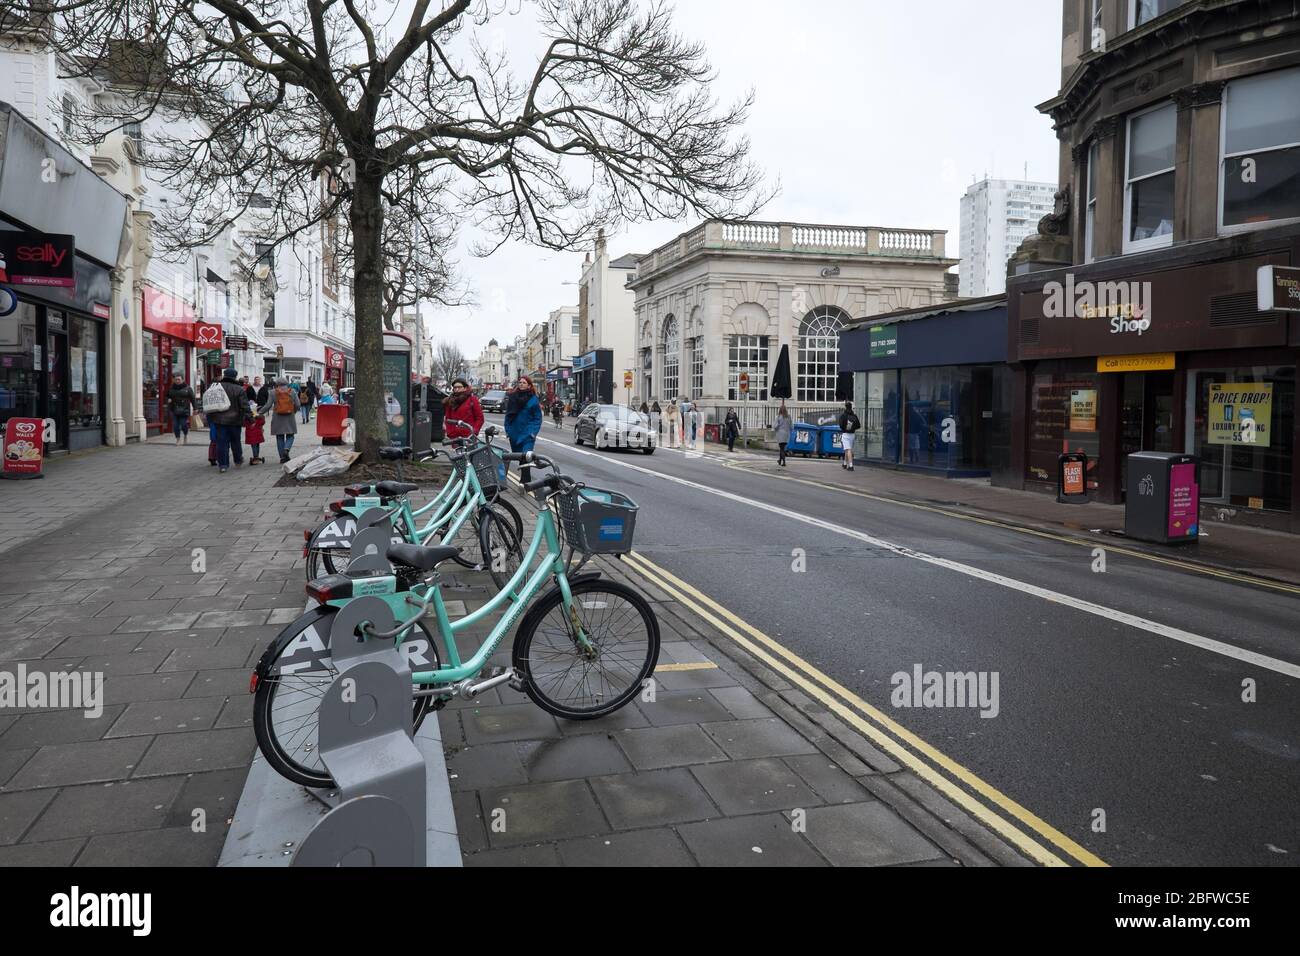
(577, 437)
(648, 450)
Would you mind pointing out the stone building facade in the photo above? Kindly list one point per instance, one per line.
(721, 300)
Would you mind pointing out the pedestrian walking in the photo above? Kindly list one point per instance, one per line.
(462, 405)
(673, 425)
(781, 432)
(557, 412)
(849, 425)
(227, 414)
(306, 398)
(259, 392)
(731, 426)
(181, 401)
(282, 409)
(523, 420)
(657, 421)
(694, 421)
(254, 435)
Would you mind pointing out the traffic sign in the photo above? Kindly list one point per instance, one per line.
(279, 351)
(744, 381)
(627, 379)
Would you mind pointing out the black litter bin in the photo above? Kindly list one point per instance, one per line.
(1162, 497)
(422, 431)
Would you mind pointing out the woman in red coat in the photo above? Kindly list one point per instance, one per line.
(461, 406)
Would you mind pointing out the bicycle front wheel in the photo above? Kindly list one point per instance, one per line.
(501, 546)
(580, 682)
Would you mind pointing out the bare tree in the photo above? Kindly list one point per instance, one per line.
(449, 362)
(336, 109)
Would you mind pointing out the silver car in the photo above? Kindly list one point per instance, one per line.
(614, 426)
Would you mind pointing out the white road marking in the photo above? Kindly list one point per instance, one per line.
(1056, 597)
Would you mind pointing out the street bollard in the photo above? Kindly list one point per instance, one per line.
(365, 743)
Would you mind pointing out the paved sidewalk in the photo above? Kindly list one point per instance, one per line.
(101, 576)
(1271, 554)
(726, 765)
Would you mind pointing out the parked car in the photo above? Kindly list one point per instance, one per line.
(614, 426)
(493, 400)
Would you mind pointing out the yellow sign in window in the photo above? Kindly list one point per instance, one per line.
(1146, 362)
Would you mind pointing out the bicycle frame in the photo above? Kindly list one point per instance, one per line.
(407, 609)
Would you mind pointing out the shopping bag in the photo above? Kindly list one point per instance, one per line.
(196, 422)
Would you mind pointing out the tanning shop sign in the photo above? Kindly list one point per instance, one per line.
(1241, 413)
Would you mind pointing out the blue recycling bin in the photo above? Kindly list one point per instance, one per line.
(803, 439)
(828, 442)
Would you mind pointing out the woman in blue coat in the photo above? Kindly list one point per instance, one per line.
(523, 419)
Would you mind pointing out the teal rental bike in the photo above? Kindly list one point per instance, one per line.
(466, 512)
(584, 647)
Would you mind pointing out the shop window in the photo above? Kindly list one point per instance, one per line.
(672, 355)
(1063, 418)
(819, 354)
(85, 384)
(1261, 151)
(1247, 467)
(20, 363)
(697, 367)
(747, 353)
(1149, 179)
(149, 372)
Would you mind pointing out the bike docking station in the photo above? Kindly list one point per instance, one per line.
(365, 742)
(370, 544)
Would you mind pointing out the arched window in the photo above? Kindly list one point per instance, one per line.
(819, 353)
(672, 352)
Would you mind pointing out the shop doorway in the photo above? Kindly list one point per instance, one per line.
(1146, 416)
(56, 384)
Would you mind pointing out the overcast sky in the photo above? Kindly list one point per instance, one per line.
(868, 112)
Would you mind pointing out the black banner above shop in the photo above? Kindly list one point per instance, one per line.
(38, 258)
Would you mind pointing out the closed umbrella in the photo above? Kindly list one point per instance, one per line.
(781, 376)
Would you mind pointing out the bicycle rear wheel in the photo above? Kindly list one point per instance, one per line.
(296, 675)
(568, 681)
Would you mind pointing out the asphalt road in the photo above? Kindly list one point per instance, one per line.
(1094, 712)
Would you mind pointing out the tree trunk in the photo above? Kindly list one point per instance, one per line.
(367, 217)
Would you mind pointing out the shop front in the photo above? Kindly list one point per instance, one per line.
(55, 260)
(172, 343)
(53, 363)
(594, 377)
(932, 387)
(559, 385)
(338, 368)
(1127, 356)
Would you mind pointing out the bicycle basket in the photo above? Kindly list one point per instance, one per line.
(485, 464)
(596, 521)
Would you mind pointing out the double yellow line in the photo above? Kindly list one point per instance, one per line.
(936, 768)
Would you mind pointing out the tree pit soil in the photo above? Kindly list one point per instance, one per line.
(433, 473)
